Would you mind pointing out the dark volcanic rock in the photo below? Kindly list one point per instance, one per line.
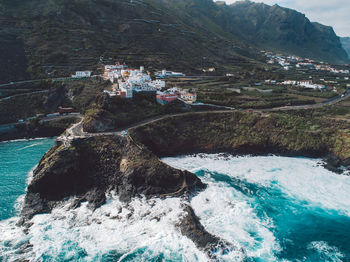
(333, 164)
(191, 227)
(92, 166)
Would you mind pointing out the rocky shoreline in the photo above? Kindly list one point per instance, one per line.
(89, 168)
(92, 167)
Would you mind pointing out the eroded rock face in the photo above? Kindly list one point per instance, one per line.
(191, 227)
(93, 166)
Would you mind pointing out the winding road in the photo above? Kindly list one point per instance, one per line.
(49, 118)
(76, 131)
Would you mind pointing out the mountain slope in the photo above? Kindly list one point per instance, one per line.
(57, 37)
(283, 29)
(68, 35)
(346, 44)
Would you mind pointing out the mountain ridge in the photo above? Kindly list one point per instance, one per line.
(57, 37)
(287, 30)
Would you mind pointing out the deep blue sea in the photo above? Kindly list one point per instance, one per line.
(271, 208)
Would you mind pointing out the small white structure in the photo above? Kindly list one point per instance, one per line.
(110, 93)
(159, 84)
(115, 67)
(164, 74)
(308, 84)
(82, 74)
(188, 97)
(125, 89)
(289, 82)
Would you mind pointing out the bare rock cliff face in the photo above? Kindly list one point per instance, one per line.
(91, 167)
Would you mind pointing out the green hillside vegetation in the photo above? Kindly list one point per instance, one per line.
(58, 37)
(303, 133)
(79, 95)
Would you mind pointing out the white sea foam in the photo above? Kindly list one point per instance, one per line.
(25, 139)
(226, 212)
(33, 145)
(145, 226)
(326, 252)
(300, 178)
(145, 229)
(231, 214)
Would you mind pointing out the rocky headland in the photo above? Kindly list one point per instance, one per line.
(88, 168)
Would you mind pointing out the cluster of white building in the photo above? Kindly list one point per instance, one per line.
(287, 62)
(283, 61)
(304, 83)
(129, 80)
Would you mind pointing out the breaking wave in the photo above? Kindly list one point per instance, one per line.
(272, 208)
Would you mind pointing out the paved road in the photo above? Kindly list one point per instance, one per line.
(24, 94)
(52, 117)
(76, 131)
(328, 102)
(33, 81)
(44, 79)
(57, 116)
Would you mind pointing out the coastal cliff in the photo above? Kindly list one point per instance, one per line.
(91, 167)
(248, 133)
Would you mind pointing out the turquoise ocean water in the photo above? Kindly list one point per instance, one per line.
(17, 158)
(271, 208)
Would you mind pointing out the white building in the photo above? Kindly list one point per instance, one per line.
(113, 72)
(159, 84)
(82, 74)
(188, 97)
(165, 74)
(308, 84)
(289, 82)
(115, 67)
(125, 89)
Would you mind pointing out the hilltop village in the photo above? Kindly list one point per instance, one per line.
(125, 81)
(299, 73)
(141, 92)
(295, 62)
